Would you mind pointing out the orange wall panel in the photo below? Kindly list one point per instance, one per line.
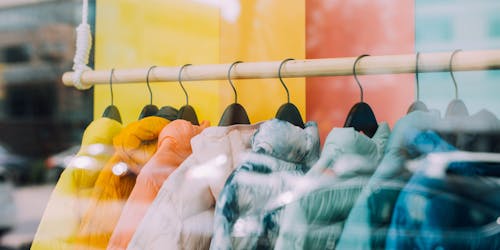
(264, 30)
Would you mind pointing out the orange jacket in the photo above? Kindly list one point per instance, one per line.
(174, 147)
(134, 147)
(69, 200)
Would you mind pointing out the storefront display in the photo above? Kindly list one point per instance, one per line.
(317, 124)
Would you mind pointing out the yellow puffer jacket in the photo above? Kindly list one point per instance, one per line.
(69, 199)
(134, 147)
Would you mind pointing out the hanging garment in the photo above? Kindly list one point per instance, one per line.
(389, 178)
(69, 199)
(315, 220)
(134, 147)
(247, 214)
(174, 146)
(458, 211)
(181, 216)
(369, 220)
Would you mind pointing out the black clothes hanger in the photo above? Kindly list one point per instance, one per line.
(168, 112)
(288, 111)
(234, 113)
(150, 109)
(456, 107)
(361, 116)
(186, 112)
(112, 111)
(417, 104)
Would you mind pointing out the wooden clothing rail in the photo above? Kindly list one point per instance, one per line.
(390, 64)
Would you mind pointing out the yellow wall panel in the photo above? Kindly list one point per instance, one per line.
(134, 33)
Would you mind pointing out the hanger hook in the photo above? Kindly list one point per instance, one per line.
(281, 79)
(416, 75)
(356, 76)
(180, 82)
(149, 87)
(451, 72)
(231, 82)
(111, 86)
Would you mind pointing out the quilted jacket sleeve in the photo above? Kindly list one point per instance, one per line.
(316, 220)
(227, 211)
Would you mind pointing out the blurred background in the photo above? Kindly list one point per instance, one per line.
(41, 120)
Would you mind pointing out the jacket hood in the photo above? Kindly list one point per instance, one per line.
(287, 142)
(174, 141)
(101, 131)
(216, 141)
(138, 142)
(220, 150)
(181, 132)
(347, 141)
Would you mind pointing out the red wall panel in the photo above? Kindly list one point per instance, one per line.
(343, 28)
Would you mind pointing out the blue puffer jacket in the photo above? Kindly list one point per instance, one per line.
(249, 207)
(370, 218)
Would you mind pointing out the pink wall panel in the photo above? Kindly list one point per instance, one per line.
(343, 28)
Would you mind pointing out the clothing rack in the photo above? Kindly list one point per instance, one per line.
(389, 64)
